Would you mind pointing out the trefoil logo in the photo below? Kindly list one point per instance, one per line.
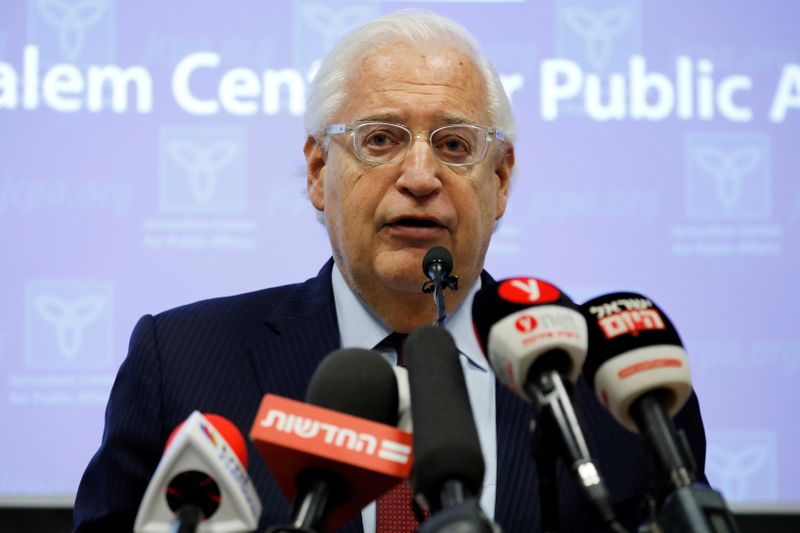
(71, 20)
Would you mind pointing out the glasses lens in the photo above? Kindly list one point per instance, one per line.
(380, 143)
(459, 144)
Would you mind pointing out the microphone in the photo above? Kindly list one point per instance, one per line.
(437, 265)
(639, 369)
(448, 471)
(640, 372)
(536, 341)
(340, 451)
(201, 482)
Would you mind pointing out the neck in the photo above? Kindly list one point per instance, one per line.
(406, 311)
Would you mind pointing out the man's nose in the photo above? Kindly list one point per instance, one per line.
(419, 170)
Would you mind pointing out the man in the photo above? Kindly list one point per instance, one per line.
(410, 145)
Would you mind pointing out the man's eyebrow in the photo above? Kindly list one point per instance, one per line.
(456, 119)
(380, 117)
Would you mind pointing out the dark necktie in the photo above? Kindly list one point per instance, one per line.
(394, 510)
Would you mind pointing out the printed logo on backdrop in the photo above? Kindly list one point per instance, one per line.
(318, 25)
(81, 32)
(600, 36)
(68, 324)
(202, 190)
(728, 176)
(202, 170)
(728, 195)
(743, 465)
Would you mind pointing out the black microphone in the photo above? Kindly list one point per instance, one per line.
(448, 470)
(535, 339)
(437, 265)
(358, 382)
(335, 464)
(640, 372)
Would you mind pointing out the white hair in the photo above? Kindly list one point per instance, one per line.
(328, 90)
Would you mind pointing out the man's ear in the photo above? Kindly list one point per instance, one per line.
(503, 171)
(316, 161)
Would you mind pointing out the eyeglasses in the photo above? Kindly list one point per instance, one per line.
(456, 145)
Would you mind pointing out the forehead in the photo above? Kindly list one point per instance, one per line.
(418, 85)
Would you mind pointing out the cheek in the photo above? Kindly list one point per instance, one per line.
(485, 204)
(347, 198)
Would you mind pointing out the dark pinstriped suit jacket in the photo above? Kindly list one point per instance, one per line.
(222, 355)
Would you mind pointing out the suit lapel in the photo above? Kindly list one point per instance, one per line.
(299, 331)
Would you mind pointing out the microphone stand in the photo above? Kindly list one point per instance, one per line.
(546, 457)
(689, 506)
(466, 517)
(549, 393)
(318, 493)
(187, 519)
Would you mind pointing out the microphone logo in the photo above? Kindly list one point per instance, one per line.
(208, 434)
(526, 323)
(336, 436)
(631, 322)
(528, 291)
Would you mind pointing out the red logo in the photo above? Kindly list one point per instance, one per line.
(653, 364)
(528, 291)
(526, 323)
(631, 322)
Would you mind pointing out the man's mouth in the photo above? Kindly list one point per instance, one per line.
(416, 223)
(413, 228)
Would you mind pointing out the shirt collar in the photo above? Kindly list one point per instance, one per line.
(360, 327)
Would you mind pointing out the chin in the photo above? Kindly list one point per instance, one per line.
(401, 272)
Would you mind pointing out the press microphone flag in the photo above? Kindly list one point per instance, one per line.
(201, 468)
(634, 350)
(522, 322)
(294, 437)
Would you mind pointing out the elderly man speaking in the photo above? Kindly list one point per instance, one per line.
(410, 145)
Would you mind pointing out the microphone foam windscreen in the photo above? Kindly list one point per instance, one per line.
(621, 322)
(446, 444)
(496, 301)
(634, 350)
(357, 382)
(438, 254)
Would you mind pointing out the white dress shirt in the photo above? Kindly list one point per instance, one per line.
(359, 327)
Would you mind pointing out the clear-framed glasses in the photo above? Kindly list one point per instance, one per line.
(456, 145)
